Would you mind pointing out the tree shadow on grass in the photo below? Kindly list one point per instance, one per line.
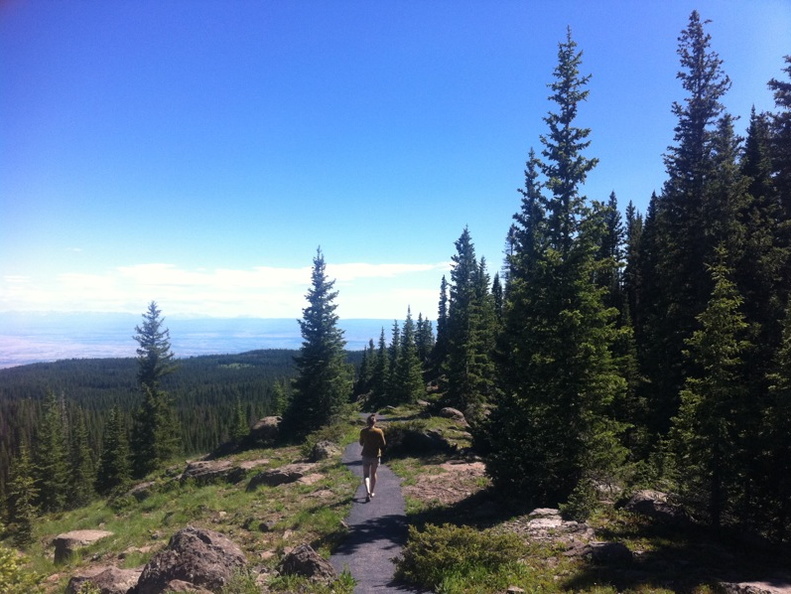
(682, 559)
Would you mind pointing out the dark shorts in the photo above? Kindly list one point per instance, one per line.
(370, 461)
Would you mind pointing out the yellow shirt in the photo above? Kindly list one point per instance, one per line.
(373, 440)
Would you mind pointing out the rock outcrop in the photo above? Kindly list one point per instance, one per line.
(306, 562)
(68, 543)
(109, 580)
(323, 450)
(289, 473)
(199, 558)
(656, 505)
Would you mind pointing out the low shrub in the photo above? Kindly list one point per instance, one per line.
(441, 555)
(14, 578)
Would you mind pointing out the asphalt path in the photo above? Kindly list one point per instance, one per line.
(377, 530)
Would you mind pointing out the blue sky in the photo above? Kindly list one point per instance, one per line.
(198, 152)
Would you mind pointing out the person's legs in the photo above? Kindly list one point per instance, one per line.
(372, 474)
(367, 477)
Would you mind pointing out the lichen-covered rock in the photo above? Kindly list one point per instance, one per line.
(290, 473)
(205, 472)
(657, 505)
(306, 562)
(201, 558)
(323, 450)
(68, 542)
(109, 580)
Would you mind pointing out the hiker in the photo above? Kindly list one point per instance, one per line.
(372, 438)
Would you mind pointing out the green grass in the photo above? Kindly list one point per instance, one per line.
(293, 514)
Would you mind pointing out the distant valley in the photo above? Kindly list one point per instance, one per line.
(41, 337)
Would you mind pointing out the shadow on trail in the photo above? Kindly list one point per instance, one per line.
(391, 529)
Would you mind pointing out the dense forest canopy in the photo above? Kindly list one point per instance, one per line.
(611, 346)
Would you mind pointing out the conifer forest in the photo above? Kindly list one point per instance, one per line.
(609, 346)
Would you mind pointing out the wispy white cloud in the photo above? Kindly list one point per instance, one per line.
(365, 290)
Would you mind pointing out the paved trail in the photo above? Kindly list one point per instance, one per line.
(377, 530)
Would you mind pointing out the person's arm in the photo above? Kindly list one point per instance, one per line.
(361, 437)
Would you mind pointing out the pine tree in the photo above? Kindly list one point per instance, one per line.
(156, 435)
(380, 379)
(241, 424)
(469, 368)
(776, 437)
(681, 241)
(424, 340)
(22, 495)
(409, 385)
(708, 434)
(441, 345)
(113, 472)
(324, 380)
(82, 474)
(781, 140)
(52, 457)
(393, 355)
(154, 357)
(552, 429)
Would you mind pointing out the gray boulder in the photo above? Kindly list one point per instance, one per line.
(68, 543)
(324, 450)
(263, 433)
(200, 558)
(656, 505)
(290, 473)
(109, 580)
(453, 413)
(205, 472)
(607, 553)
(306, 562)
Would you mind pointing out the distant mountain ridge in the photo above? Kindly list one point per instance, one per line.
(37, 337)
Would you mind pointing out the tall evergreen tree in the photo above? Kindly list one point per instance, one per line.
(781, 139)
(380, 380)
(775, 503)
(552, 430)
(154, 357)
(22, 497)
(408, 373)
(680, 287)
(324, 380)
(708, 433)
(52, 457)
(82, 474)
(113, 472)
(468, 368)
(441, 345)
(156, 435)
(424, 339)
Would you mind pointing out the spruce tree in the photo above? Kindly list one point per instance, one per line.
(552, 431)
(52, 457)
(468, 371)
(324, 380)
(380, 380)
(409, 385)
(781, 140)
(82, 474)
(681, 240)
(441, 346)
(156, 434)
(154, 357)
(113, 472)
(22, 497)
(708, 437)
(775, 502)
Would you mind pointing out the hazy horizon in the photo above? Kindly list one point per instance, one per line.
(40, 337)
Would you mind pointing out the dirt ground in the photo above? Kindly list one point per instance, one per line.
(449, 482)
